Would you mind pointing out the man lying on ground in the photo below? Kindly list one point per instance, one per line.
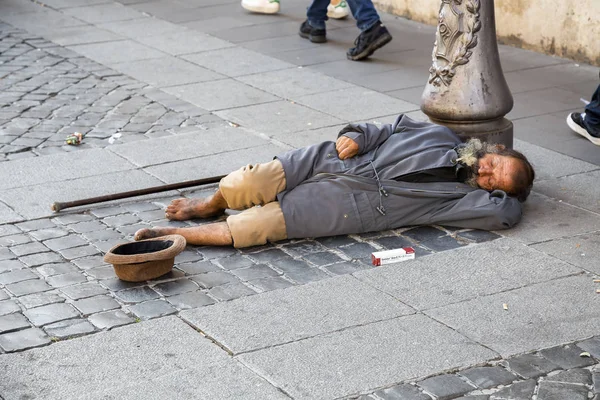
(370, 179)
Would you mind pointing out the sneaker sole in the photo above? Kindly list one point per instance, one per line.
(314, 39)
(337, 15)
(578, 129)
(262, 10)
(379, 43)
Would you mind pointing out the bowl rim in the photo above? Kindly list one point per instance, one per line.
(177, 247)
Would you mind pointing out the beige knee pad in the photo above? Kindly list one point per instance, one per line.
(257, 225)
(252, 185)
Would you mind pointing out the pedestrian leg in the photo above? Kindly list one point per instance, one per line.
(374, 34)
(592, 113)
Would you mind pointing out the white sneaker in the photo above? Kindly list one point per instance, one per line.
(261, 6)
(338, 12)
(575, 122)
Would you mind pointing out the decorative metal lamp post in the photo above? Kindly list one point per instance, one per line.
(466, 90)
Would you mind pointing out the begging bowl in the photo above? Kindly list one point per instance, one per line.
(145, 259)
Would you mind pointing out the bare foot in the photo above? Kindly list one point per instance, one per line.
(214, 234)
(150, 233)
(184, 209)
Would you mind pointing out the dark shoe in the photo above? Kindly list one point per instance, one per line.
(313, 34)
(576, 123)
(368, 41)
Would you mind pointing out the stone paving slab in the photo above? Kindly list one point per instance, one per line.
(513, 58)
(309, 136)
(10, 7)
(226, 381)
(445, 386)
(184, 41)
(141, 27)
(466, 273)
(284, 316)
(276, 45)
(20, 340)
(130, 351)
(543, 101)
(258, 31)
(58, 4)
(356, 359)
(216, 24)
(551, 131)
(102, 13)
(582, 251)
(35, 201)
(356, 103)
(220, 94)
(294, 82)
(69, 329)
(409, 73)
(518, 82)
(546, 219)
(579, 190)
(8, 215)
(312, 56)
(549, 164)
(350, 71)
(166, 71)
(188, 145)
(582, 87)
(199, 11)
(156, 7)
(105, 53)
(81, 35)
(75, 165)
(562, 74)
(236, 62)
(538, 316)
(280, 117)
(40, 20)
(578, 146)
(411, 95)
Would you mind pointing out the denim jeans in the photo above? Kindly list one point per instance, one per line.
(363, 11)
(592, 113)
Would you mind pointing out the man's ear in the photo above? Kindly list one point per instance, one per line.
(500, 147)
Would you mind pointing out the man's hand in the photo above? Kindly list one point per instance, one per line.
(346, 147)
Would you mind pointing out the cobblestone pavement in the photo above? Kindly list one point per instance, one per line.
(48, 92)
(55, 286)
(568, 372)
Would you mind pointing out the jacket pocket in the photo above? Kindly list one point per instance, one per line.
(364, 210)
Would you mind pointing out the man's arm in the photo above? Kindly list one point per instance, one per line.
(480, 209)
(366, 136)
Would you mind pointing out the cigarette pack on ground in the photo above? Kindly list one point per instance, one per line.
(392, 256)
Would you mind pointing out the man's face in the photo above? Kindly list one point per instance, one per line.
(494, 171)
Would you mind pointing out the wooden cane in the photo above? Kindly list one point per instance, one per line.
(58, 206)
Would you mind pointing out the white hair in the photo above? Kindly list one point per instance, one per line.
(472, 150)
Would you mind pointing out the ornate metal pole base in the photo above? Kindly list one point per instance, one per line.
(466, 90)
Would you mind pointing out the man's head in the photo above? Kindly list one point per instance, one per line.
(493, 166)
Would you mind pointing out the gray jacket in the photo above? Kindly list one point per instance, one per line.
(326, 196)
